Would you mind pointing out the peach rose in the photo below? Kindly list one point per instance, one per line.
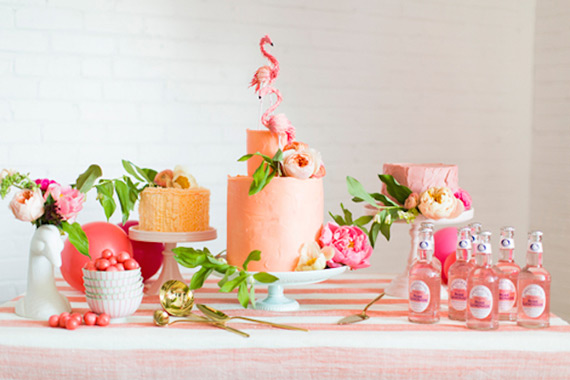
(301, 164)
(412, 201)
(313, 257)
(28, 205)
(438, 203)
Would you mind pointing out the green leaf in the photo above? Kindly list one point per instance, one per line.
(373, 233)
(252, 295)
(85, 181)
(243, 294)
(77, 237)
(363, 220)
(278, 156)
(149, 174)
(245, 157)
(124, 194)
(105, 192)
(347, 215)
(129, 167)
(385, 200)
(232, 284)
(356, 189)
(199, 277)
(253, 256)
(265, 278)
(338, 219)
(189, 257)
(399, 192)
(227, 274)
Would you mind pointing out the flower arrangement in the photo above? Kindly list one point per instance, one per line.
(45, 201)
(434, 203)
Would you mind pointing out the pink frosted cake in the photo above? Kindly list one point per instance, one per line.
(420, 177)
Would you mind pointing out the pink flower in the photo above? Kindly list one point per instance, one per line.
(464, 197)
(412, 201)
(302, 162)
(350, 244)
(69, 201)
(44, 183)
(27, 205)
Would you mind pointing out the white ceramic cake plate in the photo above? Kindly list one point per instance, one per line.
(170, 270)
(398, 287)
(276, 300)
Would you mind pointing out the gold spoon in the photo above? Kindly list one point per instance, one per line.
(176, 298)
(161, 318)
(222, 317)
(362, 316)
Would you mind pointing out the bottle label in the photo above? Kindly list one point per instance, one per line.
(458, 294)
(533, 300)
(480, 301)
(507, 295)
(419, 296)
(425, 245)
(463, 244)
(535, 247)
(507, 243)
(483, 248)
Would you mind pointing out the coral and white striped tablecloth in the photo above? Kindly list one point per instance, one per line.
(385, 346)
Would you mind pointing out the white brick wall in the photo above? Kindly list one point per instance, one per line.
(551, 138)
(163, 82)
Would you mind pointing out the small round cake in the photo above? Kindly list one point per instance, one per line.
(174, 210)
(420, 177)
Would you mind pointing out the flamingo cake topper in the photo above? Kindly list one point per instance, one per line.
(265, 75)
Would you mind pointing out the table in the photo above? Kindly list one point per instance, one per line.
(385, 346)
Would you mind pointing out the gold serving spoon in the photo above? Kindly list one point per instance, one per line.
(362, 316)
(222, 317)
(161, 318)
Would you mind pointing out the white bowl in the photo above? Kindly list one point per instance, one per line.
(116, 308)
(105, 290)
(116, 296)
(124, 282)
(104, 275)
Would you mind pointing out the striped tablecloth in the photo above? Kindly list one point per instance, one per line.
(385, 346)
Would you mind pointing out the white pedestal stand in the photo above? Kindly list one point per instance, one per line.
(170, 270)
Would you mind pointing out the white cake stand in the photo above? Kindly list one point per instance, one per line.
(170, 270)
(276, 300)
(399, 285)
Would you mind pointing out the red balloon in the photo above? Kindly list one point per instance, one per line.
(101, 235)
(448, 262)
(148, 255)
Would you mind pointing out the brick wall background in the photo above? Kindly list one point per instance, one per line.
(367, 82)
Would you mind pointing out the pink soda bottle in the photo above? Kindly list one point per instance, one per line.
(424, 283)
(457, 277)
(476, 229)
(435, 261)
(508, 275)
(534, 287)
(483, 288)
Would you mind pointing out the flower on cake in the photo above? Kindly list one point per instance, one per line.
(179, 178)
(302, 162)
(350, 243)
(412, 201)
(439, 203)
(313, 257)
(464, 197)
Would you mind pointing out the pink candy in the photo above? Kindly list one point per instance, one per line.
(111, 262)
(73, 321)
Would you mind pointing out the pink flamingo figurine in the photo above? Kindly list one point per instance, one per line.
(265, 75)
(279, 123)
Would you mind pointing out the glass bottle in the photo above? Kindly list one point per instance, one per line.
(483, 288)
(508, 275)
(424, 284)
(458, 274)
(476, 229)
(434, 260)
(534, 287)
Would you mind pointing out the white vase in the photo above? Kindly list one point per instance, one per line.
(42, 298)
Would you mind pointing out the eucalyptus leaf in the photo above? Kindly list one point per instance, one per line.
(399, 192)
(356, 189)
(77, 237)
(253, 256)
(85, 181)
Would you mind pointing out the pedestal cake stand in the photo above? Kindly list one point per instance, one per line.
(399, 285)
(170, 270)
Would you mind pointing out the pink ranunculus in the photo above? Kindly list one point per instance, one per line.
(464, 197)
(69, 201)
(412, 201)
(28, 205)
(350, 244)
(44, 183)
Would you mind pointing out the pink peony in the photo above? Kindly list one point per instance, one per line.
(412, 201)
(44, 183)
(27, 205)
(69, 201)
(350, 244)
(464, 197)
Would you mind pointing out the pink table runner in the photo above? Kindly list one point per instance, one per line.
(385, 346)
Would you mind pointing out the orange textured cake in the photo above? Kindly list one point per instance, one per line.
(174, 210)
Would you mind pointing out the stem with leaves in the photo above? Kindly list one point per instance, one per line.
(269, 168)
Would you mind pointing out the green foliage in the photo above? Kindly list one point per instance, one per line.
(233, 277)
(18, 180)
(269, 168)
(77, 237)
(399, 192)
(87, 179)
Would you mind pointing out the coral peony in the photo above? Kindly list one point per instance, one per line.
(437, 203)
(28, 205)
(300, 164)
(412, 201)
(464, 197)
(313, 257)
(350, 243)
(68, 201)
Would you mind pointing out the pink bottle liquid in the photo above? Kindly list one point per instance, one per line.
(434, 260)
(508, 275)
(483, 288)
(424, 283)
(457, 277)
(534, 287)
(476, 229)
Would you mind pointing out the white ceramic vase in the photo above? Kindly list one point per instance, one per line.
(42, 298)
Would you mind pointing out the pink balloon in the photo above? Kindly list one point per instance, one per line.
(445, 241)
(448, 262)
(148, 255)
(101, 235)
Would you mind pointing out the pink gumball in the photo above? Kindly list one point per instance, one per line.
(101, 235)
(148, 255)
(445, 241)
(448, 262)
